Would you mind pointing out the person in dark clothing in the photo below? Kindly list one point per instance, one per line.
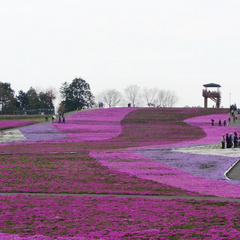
(212, 122)
(224, 123)
(219, 123)
(235, 140)
(228, 141)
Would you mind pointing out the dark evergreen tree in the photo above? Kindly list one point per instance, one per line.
(31, 100)
(23, 100)
(8, 102)
(76, 95)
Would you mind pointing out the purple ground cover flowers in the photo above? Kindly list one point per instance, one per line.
(167, 171)
(42, 132)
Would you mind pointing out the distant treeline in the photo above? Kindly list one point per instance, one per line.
(75, 96)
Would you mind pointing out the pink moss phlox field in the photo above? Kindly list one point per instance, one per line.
(61, 217)
(94, 125)
(215, 132)
(117, 218)
(160, 172)
(72, 173)
(14, 123)
(146, 168)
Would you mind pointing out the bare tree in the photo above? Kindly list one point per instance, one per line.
(133, 95)
(160, 98)
(166, 98)
(171, 98)
(150, 96)
(111, 97)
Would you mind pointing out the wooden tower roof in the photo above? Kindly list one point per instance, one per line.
(211, 85)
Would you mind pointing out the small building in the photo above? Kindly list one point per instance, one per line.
(214, 95)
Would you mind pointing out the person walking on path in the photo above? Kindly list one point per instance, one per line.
(223, 141)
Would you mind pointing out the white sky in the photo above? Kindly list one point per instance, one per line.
(169, 44)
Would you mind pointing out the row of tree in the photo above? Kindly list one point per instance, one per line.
(25, 101)
(133, 95)
(77, 95)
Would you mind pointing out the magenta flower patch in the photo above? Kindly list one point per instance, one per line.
(94, 125)
(14, 124)
(213, 133)
(62, 217)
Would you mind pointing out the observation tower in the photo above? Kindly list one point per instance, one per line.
(215, 95)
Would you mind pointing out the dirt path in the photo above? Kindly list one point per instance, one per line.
(126, 195)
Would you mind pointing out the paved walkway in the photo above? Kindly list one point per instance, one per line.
(234, 172)
(235, 123)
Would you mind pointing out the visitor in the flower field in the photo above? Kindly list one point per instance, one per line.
(234, 118)
(223, 141)
(224, 122)
(220, 123)
(235, 140)
(59, 119)
(228, 141)
(212, 122)
(231, 140)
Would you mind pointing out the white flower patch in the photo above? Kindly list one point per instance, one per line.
(11, 135)
(211, 150)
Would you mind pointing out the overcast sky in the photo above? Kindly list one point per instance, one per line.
(168, 44)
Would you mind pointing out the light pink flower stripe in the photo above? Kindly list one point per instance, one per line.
(94, 125)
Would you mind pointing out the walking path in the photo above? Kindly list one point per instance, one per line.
(235, 123)
(234, 172)
(125, 195)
